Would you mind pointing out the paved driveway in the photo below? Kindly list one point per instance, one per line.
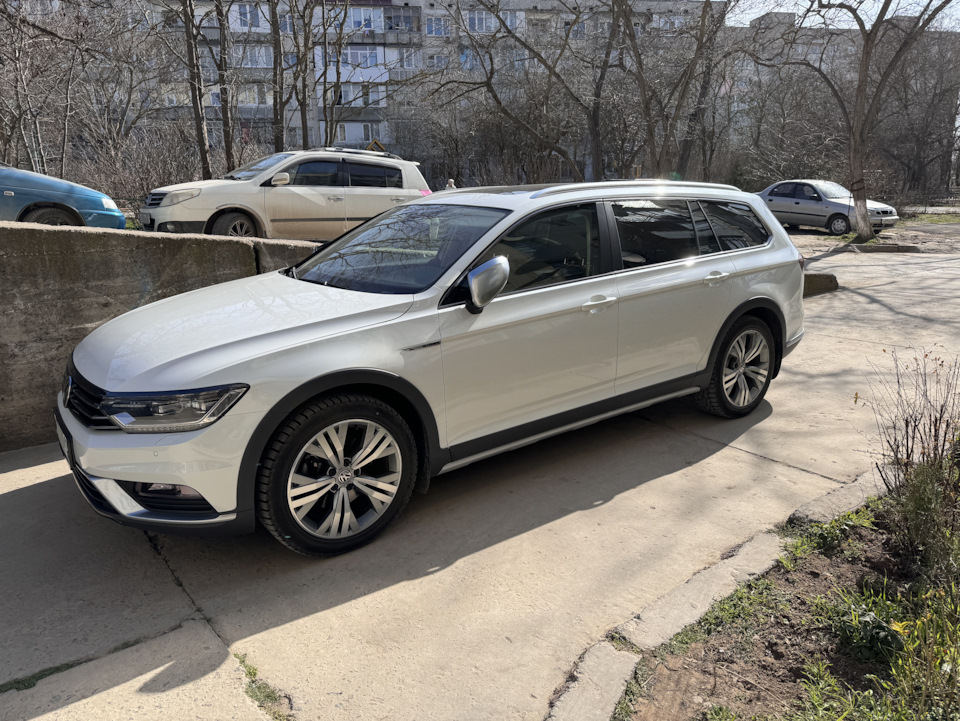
(476, 604)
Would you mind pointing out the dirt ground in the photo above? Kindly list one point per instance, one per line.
(757, 671)
(928, 237)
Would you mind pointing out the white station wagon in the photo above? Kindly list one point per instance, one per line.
(315, 399)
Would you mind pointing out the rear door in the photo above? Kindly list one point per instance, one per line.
(312, 206)
(674, 290)
(781, 201)
(371, 189)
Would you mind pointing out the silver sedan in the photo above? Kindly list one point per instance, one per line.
(821, 203)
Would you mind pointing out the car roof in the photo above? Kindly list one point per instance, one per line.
(518, 196)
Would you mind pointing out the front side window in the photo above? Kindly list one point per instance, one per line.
(654, 231)
(735, 225)
(552, 247)
(315, 172)
(405, 250)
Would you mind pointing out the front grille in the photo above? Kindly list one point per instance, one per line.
(153, 200)
(84, 402)
(168, 504)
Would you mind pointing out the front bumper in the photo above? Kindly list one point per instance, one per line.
(108, 466)
(104, 219)
(884, 221)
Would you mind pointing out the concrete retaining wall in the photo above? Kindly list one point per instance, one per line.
(59, 283)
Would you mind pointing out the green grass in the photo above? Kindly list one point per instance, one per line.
(270, 701)
(935, 218)
(22, 684)
(826, 538)
(636, 689)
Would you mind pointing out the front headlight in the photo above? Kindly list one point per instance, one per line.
(108, 204)
(178, 196)
(170, 412)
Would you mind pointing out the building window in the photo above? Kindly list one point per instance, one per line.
(469, 60)
(511, 18)
(341, 133)
(361, 56)
(286, 23)
(363, 19)
(438, 27)
(402, 18)
(409, 58)
(481, 21)
(576, 31)
(367, 132)
(249, 15)
(253, 56)
(438, 62)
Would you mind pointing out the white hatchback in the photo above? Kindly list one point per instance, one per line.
(303, 194)
(315, 399)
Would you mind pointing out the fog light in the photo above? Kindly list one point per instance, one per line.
(166, 489)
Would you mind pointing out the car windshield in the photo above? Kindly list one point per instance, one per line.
(833, 190)
(245, 172)
(404, 250)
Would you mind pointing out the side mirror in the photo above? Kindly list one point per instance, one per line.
(486, 281)
(280, 179)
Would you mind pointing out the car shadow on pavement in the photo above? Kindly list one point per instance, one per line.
(82, 585)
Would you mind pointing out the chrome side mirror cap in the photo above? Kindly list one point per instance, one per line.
(486, 281)
(280, 179)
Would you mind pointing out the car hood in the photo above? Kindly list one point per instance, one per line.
(201, 184)
(181, 342)
(35, 181)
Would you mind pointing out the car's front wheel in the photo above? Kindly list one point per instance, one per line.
(741, 371)
(337, 473)
(838, 225)
(50, 216)
(235, 224)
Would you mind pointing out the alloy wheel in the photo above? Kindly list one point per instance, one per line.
(344, 479)
(745, 368)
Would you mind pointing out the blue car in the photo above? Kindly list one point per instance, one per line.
(34, 198)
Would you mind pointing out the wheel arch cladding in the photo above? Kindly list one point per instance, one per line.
(395, 391)
(763, 309)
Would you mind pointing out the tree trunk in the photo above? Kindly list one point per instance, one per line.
(223, 65)
(858, 187)
(196, 86)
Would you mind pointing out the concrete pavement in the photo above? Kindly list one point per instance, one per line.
(479, 601)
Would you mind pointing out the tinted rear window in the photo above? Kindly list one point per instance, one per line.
(735, 224)
(364, 175)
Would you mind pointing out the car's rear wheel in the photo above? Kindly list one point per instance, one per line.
(50, 216)
(235, 224)
(741, 371)
(337, 473)
(838, 224)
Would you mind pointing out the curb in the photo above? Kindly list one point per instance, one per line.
(601, 674)
(881, 248)
(817, 283)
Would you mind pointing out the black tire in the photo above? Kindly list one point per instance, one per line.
(50, 216)
(238, 225)
(838, 224)
(793, 226)
(745, 389)
(338, 494)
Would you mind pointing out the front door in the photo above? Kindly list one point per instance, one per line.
(546, 345)
(312, 206)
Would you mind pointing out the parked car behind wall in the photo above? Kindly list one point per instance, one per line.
(34, 198)
(821, 203)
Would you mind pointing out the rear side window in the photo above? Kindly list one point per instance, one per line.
(735, 225)
(364, 175)
(784, 190)
(654, 231)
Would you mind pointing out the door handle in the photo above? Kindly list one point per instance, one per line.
(596, 304)
(335, 197)
(796, 202)
(715, 278)
(399, 200)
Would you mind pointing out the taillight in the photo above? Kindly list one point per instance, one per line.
(425, 193)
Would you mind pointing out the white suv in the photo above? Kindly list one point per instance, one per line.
(303, 195)
(316, 398)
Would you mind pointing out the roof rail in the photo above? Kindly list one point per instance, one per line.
(611, 184)
(355, 151)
